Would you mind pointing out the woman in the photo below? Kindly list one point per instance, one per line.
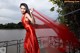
(30, 42)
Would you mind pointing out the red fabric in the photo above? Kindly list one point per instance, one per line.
(30, 42)
(62, 31)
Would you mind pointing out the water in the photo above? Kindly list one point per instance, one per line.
(15, 34)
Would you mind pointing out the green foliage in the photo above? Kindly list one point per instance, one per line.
(71, 20)
(52, 9)
(11, 26)
(59, 10)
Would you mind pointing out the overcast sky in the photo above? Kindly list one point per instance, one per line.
(10, 12)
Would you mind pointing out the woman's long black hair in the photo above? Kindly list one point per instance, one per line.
(26, 6)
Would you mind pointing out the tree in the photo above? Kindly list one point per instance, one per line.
(71, 20)
(60, 10)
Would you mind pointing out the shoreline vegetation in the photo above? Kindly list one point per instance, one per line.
(12, 26)
(20, 26)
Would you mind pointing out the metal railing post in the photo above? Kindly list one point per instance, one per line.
(6, 46)
(17, 46)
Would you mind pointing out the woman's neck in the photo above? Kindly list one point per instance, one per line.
(23, 14)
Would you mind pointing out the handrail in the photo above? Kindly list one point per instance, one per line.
(50, 40)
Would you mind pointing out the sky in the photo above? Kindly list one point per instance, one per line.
(10, 11)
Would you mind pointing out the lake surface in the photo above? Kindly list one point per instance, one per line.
(15, 34)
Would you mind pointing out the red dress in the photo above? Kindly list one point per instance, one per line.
(30, 42)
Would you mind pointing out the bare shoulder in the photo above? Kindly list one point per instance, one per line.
(27, 15)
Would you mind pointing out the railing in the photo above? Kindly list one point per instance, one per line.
(16, 46)
(6, 44)
(55, 42)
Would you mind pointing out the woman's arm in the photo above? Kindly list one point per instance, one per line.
(30, 18)
(31, 10)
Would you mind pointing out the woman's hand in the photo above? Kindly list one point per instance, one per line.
(31, 10)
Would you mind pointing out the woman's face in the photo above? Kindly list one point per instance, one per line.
(23, 9)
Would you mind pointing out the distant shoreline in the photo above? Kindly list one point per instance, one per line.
(12, 26)
(11, 29)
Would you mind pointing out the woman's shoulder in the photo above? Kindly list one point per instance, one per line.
(27, 15)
